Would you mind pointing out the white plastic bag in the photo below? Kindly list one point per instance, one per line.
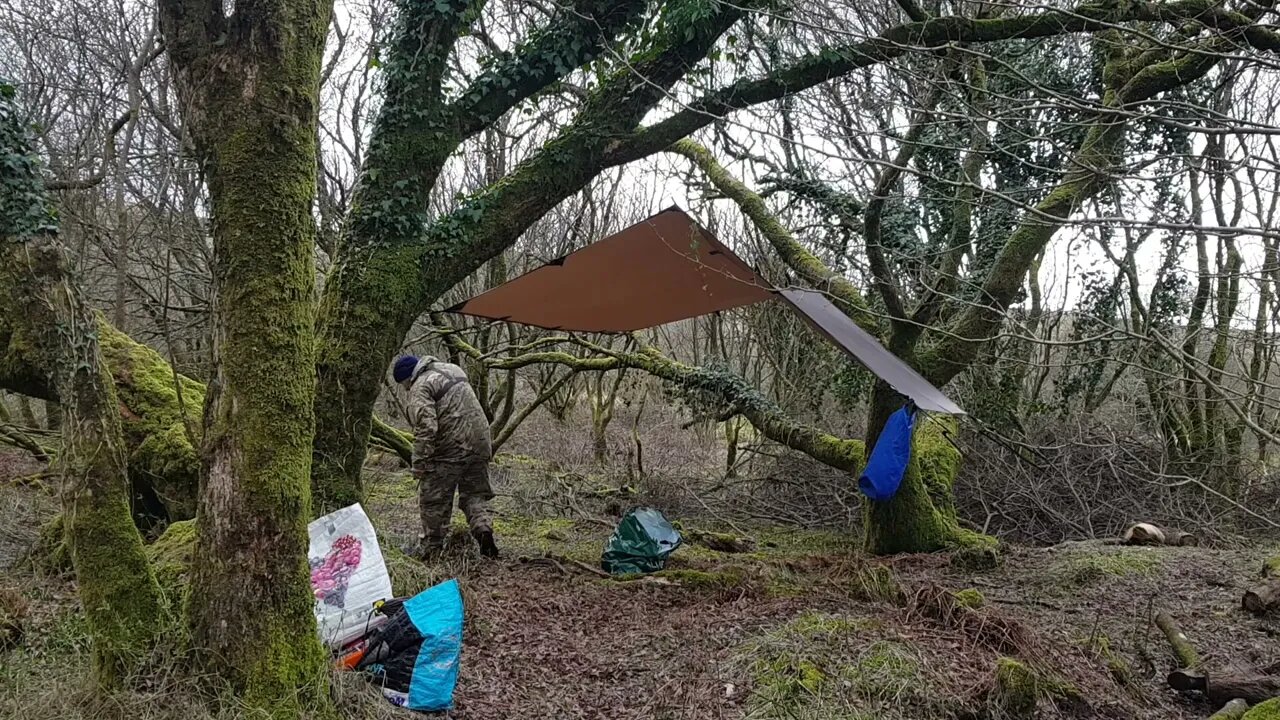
(348, 575)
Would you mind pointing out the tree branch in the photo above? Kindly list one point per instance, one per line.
(805, 264)
(764, 415)
(1086, 174)
(416, 131)
(946, 280)
(108, 157)
(575, 36)
(929, 34)
(491, 220)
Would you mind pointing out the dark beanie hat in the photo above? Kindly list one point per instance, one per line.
(404, 368)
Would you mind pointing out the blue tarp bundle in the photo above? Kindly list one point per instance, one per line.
(416, 655)
(888, 462)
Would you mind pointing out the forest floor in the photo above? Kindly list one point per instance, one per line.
(803, 626)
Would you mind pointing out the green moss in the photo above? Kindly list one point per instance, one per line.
(1119, 669)
(170, 557)
(812, 624)
(784, 683)
(51, 552)
(1094, 567)
(1271, 567)
(410, 576)
(517, 460)
(155, 424)
(971, 598)
(885, 671)
(1016, 693)
(718, 542)
(939, 461)
(521, 535)
(1269, 710)
(824, 665)
(1019, 688)
(788, 542)
(975, 558)
(390, 488)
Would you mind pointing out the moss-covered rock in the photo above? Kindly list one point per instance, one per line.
(1269, 710)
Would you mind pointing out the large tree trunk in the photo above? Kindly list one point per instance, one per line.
(48, 324)
(250, 86)
(921, 517)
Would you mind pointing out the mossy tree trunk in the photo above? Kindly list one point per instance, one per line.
(49, 324)
(249, 84)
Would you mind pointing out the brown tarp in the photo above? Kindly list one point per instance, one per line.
(658, 271)
(669, 268)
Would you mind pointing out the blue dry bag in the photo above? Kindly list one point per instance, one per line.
(888, 462)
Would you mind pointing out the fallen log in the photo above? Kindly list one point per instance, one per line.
(1182, 647)
(1149, 534)
(1265, 596)
(1223, 688)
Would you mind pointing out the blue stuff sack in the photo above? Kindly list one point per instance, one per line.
(888, 462)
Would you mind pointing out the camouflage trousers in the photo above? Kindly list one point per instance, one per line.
(435, 498)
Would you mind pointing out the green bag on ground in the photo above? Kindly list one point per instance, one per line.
(641, 544)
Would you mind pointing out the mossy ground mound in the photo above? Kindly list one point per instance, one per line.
(1092, 567)
(823, 665)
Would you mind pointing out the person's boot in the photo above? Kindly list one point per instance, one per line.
(488, 548)
(425, 549)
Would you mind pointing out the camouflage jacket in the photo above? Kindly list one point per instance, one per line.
(448, 423)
